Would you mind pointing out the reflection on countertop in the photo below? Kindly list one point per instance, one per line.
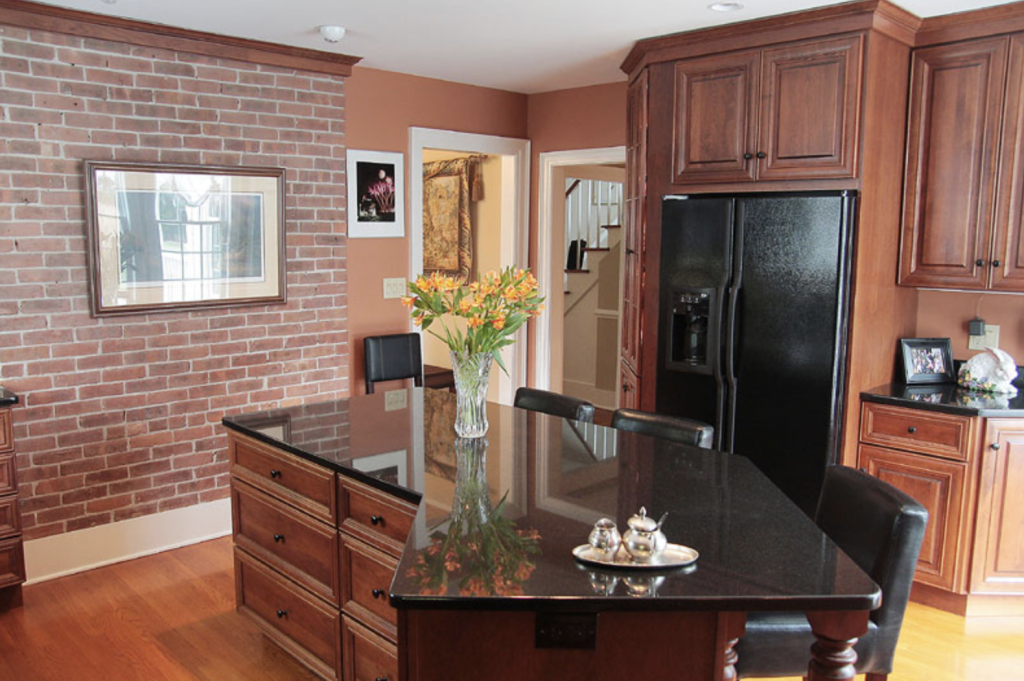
(948, 398)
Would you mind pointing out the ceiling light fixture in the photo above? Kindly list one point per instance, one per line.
(332, 34)
(726, 6)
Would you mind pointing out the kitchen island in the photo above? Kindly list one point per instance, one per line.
(409, 554)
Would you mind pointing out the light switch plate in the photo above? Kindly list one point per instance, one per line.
(394, 288)
(989, 340)
(396, 399)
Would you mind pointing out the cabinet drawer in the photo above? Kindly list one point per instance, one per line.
(286, 476)
(8, 478)
(10, 522)
(367, 575)
(6, 431)
(303, 625)
(367, 657)
(375, 517)
(917, 430)
(939, 486)
(12, 562)
(289, 541)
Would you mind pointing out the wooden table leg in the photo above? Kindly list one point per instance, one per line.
(832, 654)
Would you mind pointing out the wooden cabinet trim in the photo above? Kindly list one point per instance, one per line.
(361, 503)
(10, 519)
(356, 588)
(307, 550)
(951, 216)
(382, 657)
(917, 430)
(998, 565)
(840, 58)
(941, 561)
(6, 431)
(300, 483)
(12, 562)
(8, 474)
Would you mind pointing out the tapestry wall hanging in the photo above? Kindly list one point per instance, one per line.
(448, 187)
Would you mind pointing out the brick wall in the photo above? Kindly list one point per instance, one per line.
(120, 416)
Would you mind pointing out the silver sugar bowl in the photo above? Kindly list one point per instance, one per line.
(605, 540)
(644, 539)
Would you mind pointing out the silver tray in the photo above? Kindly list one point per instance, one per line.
(675, 556)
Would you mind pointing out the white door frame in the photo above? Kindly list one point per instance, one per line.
(515, 227)
(547, 271)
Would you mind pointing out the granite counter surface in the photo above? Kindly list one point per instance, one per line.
(947, 398)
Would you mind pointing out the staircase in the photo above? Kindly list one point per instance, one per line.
(591, 285)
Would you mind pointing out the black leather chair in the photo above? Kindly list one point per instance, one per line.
(881, 529)
(675, 428)
(554, 404)
(390, 358)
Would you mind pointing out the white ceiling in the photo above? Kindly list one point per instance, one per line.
(524, 46)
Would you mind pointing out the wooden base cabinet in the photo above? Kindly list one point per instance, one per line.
(969, 473)
(12, 558)
(315, 554)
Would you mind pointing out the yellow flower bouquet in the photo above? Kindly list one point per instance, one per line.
(494, 307)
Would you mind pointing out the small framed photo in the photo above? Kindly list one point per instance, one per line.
(376, 194)
(165, 237)
(927, 360)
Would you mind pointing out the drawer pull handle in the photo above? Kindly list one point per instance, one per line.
(377, 593)
(761, 154)
(912, 430)
(994, 445)
(281, 614)
(376, 519)
(278, 538)
(274, 473)
(381, 678)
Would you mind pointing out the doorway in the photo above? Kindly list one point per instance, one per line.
(500, 235)
(549, 366)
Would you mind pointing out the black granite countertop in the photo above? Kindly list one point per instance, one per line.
(498, 517)
(7, 398)
(948, 398)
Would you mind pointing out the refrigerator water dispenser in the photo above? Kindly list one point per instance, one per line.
(691, 310)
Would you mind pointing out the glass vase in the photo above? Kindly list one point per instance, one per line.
(472, 372)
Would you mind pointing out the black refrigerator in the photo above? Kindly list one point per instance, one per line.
(754, 292)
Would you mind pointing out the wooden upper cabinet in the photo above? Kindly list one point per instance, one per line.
(810, 110)
(635, 219)
(1007, 266)
(956, 103)
(786, 113)
(716, 118)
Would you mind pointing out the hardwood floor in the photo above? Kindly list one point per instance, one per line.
(172, 617)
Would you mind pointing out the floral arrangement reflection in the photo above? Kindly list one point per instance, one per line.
(482, 551)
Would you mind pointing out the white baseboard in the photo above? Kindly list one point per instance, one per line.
(93, 547)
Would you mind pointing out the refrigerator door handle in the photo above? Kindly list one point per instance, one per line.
(731, 350)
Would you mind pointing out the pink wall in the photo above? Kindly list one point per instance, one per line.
(942, 314)
(381, 106)
(120, 416)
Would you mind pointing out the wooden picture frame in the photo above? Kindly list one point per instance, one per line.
(376, 194)
(927, 360)
(165, 237)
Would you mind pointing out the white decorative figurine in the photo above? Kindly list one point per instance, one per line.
(992, 371)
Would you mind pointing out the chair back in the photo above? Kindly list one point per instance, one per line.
(675, 428)
(881, 529)
(554, 404)
(393, 357)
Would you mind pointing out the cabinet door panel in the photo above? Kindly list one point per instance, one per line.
(937, 485)
(635, 218)
(999, 538)
(1007, 264)
(810, 110)
(715, 118)
(955, 97)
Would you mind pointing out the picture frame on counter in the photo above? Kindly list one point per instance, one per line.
(170, 237)
(927, 360)
(376, 193)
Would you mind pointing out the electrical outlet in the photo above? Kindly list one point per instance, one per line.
(989, 340)
(394, 288)
(395, 400)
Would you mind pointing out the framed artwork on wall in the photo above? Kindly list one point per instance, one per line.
(167, 237)
(927, 360)
(376, 194)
